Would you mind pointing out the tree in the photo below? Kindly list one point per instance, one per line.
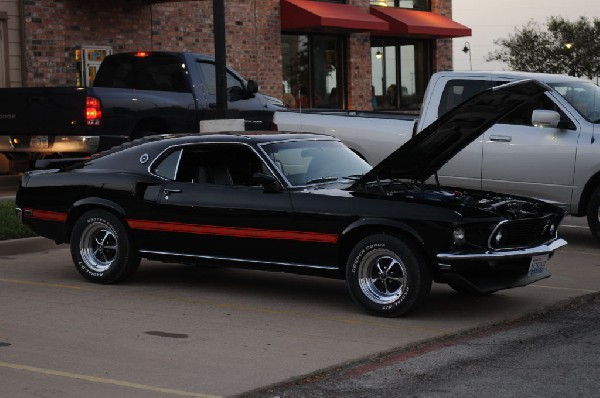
(564, 47)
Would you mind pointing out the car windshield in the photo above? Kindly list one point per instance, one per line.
(307, 162)
(583, 96)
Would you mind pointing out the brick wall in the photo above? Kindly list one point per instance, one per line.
(54, 29)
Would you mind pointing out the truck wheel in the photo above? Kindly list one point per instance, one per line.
(593, 213)
(386, 276)
(102, 249)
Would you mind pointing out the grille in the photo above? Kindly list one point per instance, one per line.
(520, 233)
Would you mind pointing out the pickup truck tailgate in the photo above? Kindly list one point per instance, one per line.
(42, 110)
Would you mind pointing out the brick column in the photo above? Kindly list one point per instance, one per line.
(442, 53)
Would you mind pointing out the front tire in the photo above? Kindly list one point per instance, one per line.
(387, 276)
(102, 249)
(593, 213)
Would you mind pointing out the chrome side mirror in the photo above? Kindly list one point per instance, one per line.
(545, 118)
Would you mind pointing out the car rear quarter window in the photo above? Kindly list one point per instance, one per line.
(167, 167)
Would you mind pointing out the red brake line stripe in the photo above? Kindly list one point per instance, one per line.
(232, 231)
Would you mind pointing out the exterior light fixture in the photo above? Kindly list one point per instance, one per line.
(467, 50)
(378, 54)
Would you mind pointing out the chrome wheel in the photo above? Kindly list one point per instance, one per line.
(382, 277)
(387, 275)
(98, 246)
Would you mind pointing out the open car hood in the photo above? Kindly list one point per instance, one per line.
(424, 154)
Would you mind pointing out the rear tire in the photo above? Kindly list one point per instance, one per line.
(102, 249)
(387, 276)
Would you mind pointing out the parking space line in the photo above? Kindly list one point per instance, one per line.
(565, 288)
(579, 252)
(24, 282)
(94, 379)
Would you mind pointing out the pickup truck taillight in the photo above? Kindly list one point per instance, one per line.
(93, 111)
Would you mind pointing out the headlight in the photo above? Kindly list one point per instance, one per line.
(550, 229)
(498, 238)
(459, 236)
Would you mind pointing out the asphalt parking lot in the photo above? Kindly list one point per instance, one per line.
(179, 330)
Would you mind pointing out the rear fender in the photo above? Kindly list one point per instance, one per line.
(83, 205)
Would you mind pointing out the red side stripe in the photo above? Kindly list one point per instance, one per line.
(232, 231)
(46, 215)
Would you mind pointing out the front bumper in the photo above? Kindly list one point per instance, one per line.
(493, 270)
(494, 255)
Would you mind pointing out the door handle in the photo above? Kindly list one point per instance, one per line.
(500, 138)
(169, 191)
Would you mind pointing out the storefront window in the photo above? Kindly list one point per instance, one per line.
(400, 72)
(416, 4)
(313, 71)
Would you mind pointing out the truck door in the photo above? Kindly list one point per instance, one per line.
(522, 159)
(464, 170)
(251, 108)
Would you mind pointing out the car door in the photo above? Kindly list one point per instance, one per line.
(209, 206)
(522, 159)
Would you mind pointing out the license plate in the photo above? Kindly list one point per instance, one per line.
(538, 264)
(39, 142)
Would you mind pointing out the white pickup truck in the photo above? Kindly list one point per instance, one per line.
(546, 149)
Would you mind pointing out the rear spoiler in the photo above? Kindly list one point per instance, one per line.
(63, 163)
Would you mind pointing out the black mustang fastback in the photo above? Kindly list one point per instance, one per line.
(301, 203)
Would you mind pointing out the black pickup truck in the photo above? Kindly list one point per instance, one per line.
(134, 95)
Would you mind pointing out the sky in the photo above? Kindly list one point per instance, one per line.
(493, 19)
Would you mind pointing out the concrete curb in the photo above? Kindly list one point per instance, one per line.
(12, 247)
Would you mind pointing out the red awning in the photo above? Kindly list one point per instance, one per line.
(321, 16)
(421, 23)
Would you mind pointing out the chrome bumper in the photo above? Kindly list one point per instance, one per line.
(494, 255)
(62, 143)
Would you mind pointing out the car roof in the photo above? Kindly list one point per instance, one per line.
(128, 153)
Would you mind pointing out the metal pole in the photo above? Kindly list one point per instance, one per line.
(220, 57)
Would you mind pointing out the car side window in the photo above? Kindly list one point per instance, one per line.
(458, 91)
(522, 115)
(154, 72)
(220, 164)
(210, 79)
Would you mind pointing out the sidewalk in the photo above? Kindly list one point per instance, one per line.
(13, 247)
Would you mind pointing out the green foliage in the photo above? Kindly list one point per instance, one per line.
(564, 47)
(10, 227)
